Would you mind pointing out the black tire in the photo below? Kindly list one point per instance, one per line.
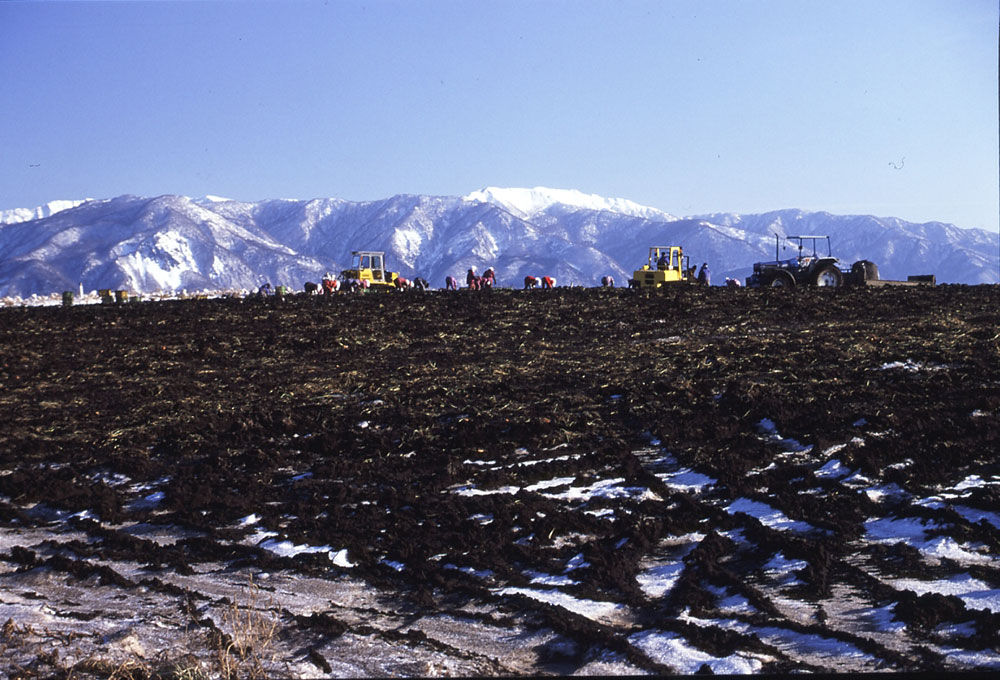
(780, 279)
(828, 276)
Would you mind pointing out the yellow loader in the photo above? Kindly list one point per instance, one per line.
(667, 264)
(369, 265)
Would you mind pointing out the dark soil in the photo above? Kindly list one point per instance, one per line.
(351, 422)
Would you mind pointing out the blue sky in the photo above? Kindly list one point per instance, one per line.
(886, 108)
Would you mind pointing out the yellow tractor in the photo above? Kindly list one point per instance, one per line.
(667, 264)
(369, 266)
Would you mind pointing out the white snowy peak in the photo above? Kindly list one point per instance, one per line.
(530, 202)
(16, 215)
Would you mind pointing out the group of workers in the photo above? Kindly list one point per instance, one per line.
(330, 284)
(476, 282)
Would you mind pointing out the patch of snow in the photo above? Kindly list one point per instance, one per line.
(286, 548)
(913, 532)
(948, 547)
(148, 502)
(974, 482)
(833, 469)
(986, 659)
(591, 609)
(881, 619)
(471, 490)
(891, 491)
(779, 564)
(974, 593)
(857, 479)
(605, 488)
(911, 366)
(549, 483)
(542, 579)
(825, 648)
(657, 581)
(340, 559)
(769, 431)
(687, 480)
(894, 529)
(480, 463)
(975, 515)
(736, 604)
(539, 461)
(966, 629)
(768, 516)
(672, 650)
(731, 603)
(481, 574)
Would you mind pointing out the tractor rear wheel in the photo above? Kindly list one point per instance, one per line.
(828, 276)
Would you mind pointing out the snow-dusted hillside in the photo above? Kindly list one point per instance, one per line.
(173, 242)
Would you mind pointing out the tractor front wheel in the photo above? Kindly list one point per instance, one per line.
(782, 279)
(828, 276)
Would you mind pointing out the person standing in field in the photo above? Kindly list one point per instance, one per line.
(704, 276)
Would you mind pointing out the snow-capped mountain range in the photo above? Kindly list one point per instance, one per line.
(170, 243)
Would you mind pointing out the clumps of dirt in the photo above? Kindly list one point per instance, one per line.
(457, 444)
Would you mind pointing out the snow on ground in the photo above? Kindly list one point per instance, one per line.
(602, 612)
(818, 649)
(661, 573)
(976, 594)
(672, 650)
(768, 516)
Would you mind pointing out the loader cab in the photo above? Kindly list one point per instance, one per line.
(361, 260)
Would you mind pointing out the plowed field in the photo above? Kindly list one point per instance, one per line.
(502, 482)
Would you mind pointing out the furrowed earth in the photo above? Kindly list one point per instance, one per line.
(589, 481)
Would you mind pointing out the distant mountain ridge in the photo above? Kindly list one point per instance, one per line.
(169, 243)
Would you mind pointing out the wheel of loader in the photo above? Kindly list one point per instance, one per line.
(782, 280)
(828, 276)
